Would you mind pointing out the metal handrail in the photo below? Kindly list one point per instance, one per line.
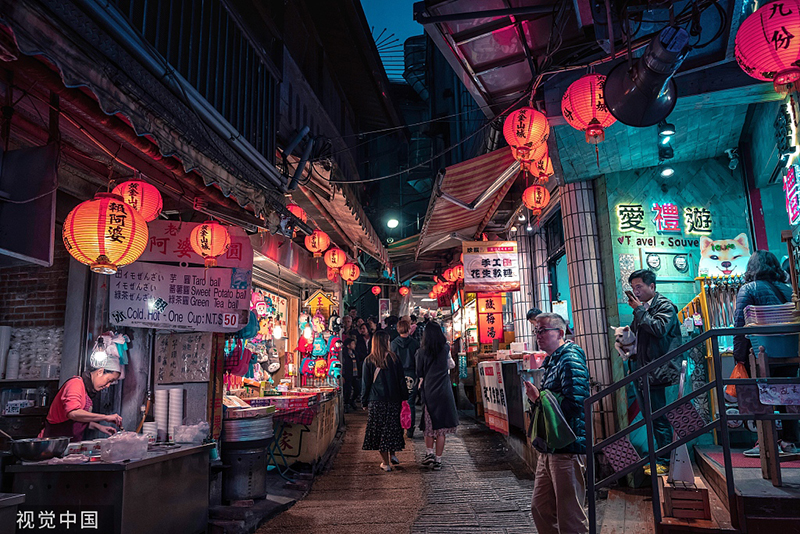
(720, 423)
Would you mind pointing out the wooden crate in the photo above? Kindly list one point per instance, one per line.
(684, 500)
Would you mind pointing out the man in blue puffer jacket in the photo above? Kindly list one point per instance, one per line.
(559, 489)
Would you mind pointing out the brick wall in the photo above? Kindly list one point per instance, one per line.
(35, 296)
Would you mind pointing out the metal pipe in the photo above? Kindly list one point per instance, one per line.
(422, 16)
(296, 141)
(301, 166)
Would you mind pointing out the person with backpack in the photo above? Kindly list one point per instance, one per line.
(405, 347)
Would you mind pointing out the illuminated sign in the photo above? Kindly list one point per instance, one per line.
(490, 318)
(630, 217)
(786, 132)
(490, 266)
(667, 218)
(792, 191)
(698, 220)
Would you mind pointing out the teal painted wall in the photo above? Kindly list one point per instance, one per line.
(773, 201)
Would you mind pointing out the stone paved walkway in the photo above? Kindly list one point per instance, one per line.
(483, 488)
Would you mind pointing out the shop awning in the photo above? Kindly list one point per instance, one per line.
(465, 197)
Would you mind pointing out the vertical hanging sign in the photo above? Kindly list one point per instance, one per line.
(792, 192)
(490, 318)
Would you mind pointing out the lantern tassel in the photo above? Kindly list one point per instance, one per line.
(597, 154)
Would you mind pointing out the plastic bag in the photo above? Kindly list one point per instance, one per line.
(123, 446)
(191, 433)
(739, 371)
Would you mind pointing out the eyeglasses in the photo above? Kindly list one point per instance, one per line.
(540, 331)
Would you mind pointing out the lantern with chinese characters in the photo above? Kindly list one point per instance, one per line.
(404, 290)
(297, 211)
(544, 169)
(530, 157)
(458, 271)
(536, 198)
(105, 233)
(335, 258)
(350, 273)
(584, 107)
(525, 129)
(210, 240)
(333, 274)
(318, 242)
(376, 290)
(449, 276)
(142, 197)
(766, 48)
(431, 295)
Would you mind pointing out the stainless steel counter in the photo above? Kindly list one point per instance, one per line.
(165, 492)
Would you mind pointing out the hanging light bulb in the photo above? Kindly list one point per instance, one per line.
(277, 332)
(307, 332)
(513, 229)
(521, 217)
(529, 228)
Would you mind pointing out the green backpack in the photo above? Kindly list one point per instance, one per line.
(549, 430)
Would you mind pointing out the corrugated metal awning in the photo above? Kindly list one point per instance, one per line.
(465, 198)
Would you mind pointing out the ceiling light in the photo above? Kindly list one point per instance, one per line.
(665, 152)
(665, 140)
(521, 217)
(513, 229)
(529, 228)
(667, 172)
(392, 223)
(665, 128)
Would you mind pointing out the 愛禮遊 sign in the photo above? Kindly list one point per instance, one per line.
(491, 266)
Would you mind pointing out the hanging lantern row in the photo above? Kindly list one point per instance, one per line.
(404, 291)
(765, 48)
(142, 197)
(536, 198)
(458, 271)
(431, 295)
(333, 275)
(526, 129)
(105, 233)
(297, 211)
(350, 273)
(335, 258)
(584, 107)
(210, 240)
(317, 242)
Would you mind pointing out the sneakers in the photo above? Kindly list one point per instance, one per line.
(385, 467)
(755, 452)
(436, 466)
(429, 459)
(660, 469)
(788, 448)
(784, 449)
(394, 460)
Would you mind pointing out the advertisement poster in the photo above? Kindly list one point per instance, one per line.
(150, 295)
(494, 396)
(169, 242)
(491, 266)
(183, 358)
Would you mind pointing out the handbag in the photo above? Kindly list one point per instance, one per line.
(405, 416)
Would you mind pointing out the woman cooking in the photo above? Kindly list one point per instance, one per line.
(71, 411)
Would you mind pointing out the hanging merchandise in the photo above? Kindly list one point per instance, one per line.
(142, 197)
(105, 233)
(210, 240)
(317, 242)
(583, 106)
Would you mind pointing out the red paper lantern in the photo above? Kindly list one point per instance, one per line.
(536, 198)
(333, 274)
(765, 45)
(297, 211)
(544, 168)
(530, 157)
(448, 275)
(210, 240)
(404, 290)
(584, 107)
(376, 290)
(335, 258)
(350, 273)
(105, 233)
(458, 271)
(526, 129)
(431, 295)
(142, 197)
(318, 242)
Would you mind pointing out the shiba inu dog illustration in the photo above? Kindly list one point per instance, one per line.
(724, 257)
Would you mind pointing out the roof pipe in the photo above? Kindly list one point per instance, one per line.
(504, 177)
(301, 166)
(296, 141)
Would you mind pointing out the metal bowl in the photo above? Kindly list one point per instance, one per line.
(38, 449)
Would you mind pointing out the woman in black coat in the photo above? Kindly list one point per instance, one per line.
(439, 414)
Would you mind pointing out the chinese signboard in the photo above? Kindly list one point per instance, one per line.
(494, 396)
(665, 217)
(490, 318)
(631, 218)
(321, 302)
(697, 220)
(792, 191)
(169, 242)
(183, 357)
(181, 298)
(491, 266)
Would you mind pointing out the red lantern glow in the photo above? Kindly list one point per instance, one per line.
(404, 290)
(584, 107)
(526, 129)
(431, 295)
(536, 198)
(449, 276)
(544, 168)
(335, 258)
(530, 157)
(458, 271)
(142, 197)
(350, 273)
(376, 290)
(333, 274)
(764, 48)
(297, 211)
(318, 242)
(105, 233)
(210, 240)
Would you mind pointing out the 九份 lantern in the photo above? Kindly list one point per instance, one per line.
(765, 45)
(525, 129)
(431, 295)
(536, 198)
(584, 107)
(350, 273)
(105, 233)
(142, 197)
(544, 168)
(335, 258)
(376, 290)
(530, 157)
(210, 240)
(458, 271)
(318, 242)
(297, 211)
(404, 290)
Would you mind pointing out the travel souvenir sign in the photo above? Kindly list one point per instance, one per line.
(491, 266)
(170, 241)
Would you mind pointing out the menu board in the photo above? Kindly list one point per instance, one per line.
(491, 266)
(494, 396)
(183, 357)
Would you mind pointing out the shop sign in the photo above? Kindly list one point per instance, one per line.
(169, 242)
(322, 302)
(491, 266)
(490, 318)
(666, 218)
(494, 396)
(384, 308)
(152, 295)
(786, 132)
(792, 192)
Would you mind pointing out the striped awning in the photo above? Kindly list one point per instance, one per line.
(465, 198)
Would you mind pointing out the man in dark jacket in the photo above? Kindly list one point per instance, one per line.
(559, 489)
(405, 347)
(655, 323)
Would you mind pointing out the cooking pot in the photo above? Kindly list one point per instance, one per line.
(37, 449)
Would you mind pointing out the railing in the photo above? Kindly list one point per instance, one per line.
(721, 423)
